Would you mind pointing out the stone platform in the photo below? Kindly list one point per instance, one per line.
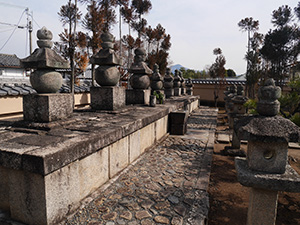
(167, 184)
(48, 168)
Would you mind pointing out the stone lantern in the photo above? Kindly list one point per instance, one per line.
(47, 105)
(177, 84)
(168, 83)
(139, 81)
(108, 96)
(236, 107)
(266, 168)
(228, 103)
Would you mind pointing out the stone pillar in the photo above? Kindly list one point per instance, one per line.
(47, 105)
(168, 84)
(139, 81)
(177, 84)
(265, 169)
(108, 96)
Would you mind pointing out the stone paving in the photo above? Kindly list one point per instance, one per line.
(167, 185)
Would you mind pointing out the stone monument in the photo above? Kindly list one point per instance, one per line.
(157, 85)
(182, 84)
(108, 96)
(139, 81)
(177, 84)
(266, 168)
(168, 83)
(189, 87)
(47, 105)
(236, 107)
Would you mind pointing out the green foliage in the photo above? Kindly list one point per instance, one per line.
(290, 103)
(193, 74)
(250, 105)
(230, 73)
(296, 119)
(159, 97)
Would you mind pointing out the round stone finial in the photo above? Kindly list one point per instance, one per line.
(140, 55)
(45, 36)
(107, 40)
(268, 104)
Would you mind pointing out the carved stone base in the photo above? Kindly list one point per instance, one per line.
(177, 91)
(107, 98)
(169, 92)
(138, 96)
(47, 107)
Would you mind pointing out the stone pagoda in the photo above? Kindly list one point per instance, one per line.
(168, 84)
(266, 168)
(108, 96)
(182, 84)
(139, 81)
(177, 84)
(47, 105)
(189, 87)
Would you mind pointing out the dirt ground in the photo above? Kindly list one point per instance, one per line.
(229, 199)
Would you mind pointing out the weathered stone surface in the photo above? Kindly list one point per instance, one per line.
(107, 98)
(267, 129)
(43, 58)
(161, 219)
(87, 133)
(127, 215)
(142, 214)
(47, 107)
(46, 81)
(262, 206)
(138, 96)
(289, 181)
(178, 122)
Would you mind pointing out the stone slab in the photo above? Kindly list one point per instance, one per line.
(223, 138)
(47, 107)
(289, 181)
(107, 98)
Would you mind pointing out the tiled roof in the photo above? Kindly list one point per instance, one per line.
(213, 82)
(9, 61)
(25, 89)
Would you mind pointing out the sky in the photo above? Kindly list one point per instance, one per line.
(196, 27)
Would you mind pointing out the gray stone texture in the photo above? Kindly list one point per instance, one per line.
(289, 181)
(262, 207)
(269, 157)
(46, 81)
(178, 122)
(177, 91)
(47, 107)
(107, 98)
(138, 96)
(169, 92)
(59, 163)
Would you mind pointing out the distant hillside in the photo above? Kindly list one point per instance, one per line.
(176, 67)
